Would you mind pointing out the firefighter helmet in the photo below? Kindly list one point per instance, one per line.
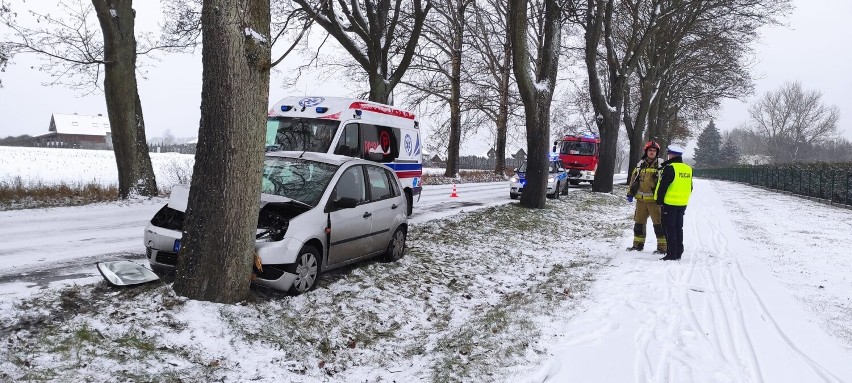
(652, 144)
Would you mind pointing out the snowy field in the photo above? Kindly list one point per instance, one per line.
(72, 166)
(487, 292)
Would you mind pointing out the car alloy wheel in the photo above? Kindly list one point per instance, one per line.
(307, 270)
(396, 247)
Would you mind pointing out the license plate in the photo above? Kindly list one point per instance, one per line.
(177, 246)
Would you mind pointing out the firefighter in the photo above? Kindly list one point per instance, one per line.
(642, 184)
(672, 194)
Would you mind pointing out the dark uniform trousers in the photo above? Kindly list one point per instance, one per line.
(673, 224)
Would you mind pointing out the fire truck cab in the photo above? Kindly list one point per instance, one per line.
(579, 154)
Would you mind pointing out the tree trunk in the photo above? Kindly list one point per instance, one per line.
(608, 124)
(124, 110)
(215, 263)
(503, 112)
(635, 129)
(455, 96)
(379, 90)
(608, 128)
(538, 139)
(537, 92)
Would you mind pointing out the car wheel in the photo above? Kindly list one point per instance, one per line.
(556, 191)
(396, 247)
(513, 196)
(574, 182)
(307, 270)
(564, 190)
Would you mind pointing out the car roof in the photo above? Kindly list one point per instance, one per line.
(333, 159)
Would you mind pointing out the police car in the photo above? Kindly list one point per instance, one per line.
(557, 179)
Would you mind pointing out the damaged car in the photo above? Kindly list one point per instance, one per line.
(317, 212)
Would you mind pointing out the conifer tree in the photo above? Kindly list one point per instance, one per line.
(709, 146)
(729, 154)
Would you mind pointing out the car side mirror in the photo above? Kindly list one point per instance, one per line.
(561, 169)
(344, 203)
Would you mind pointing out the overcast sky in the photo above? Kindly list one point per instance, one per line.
(813, 48)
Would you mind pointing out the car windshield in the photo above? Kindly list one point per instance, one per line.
(554, 167)
(300, 134)
(578, 148)
(297, 179)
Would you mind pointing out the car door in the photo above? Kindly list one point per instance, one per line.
(384, 205)
(350, 227)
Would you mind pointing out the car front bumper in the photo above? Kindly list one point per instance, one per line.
(162, 247)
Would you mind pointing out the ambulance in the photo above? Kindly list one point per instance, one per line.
(354, 128)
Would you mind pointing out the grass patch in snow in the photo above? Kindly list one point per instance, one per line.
(18, 194)
(464, 304)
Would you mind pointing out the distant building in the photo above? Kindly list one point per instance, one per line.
(77, 131)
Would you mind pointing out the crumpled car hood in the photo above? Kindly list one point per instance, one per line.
(179, 198)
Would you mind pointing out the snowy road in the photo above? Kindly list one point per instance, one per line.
(47, 247)
(722, 314)
(59, 246)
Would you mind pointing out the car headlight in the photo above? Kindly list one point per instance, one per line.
(513, 179)
(551, 179)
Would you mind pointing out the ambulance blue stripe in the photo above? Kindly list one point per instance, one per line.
(404, 167)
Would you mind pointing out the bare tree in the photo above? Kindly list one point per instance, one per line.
(601, 28)
(381, 36)
(790, 119)
(536, 83)
(168, 138)
(436, 73)
(216, 260)
(696, 56)
(79, 54)
(492, 33)
(182, 26)
(4, 47)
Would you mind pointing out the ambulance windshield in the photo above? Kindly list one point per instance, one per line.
(300, 134)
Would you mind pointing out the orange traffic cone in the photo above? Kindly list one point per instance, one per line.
(454, 195)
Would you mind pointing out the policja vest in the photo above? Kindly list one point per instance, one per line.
(680, 188)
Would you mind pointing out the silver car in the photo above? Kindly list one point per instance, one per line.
(318, 212)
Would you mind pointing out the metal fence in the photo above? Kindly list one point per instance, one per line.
(826, 182)
(478, 163)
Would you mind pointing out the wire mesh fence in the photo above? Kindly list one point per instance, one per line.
(476, 163)
(828, 182)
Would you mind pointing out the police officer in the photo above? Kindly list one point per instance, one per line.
(672, 193)
(643, 181)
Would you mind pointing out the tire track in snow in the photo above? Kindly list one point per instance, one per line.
(742, 285)
(732, 324)
(667, 341)
(731, 293)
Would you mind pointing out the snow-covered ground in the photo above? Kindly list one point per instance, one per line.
(487, 291)
(763, 294)
(72, 166)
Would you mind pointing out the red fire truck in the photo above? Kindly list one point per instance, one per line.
(579, 154)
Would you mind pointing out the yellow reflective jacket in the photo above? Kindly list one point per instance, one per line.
(675, 185)
(643, 181)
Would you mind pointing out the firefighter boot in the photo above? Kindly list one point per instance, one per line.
(660, 233)
(638, 237)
